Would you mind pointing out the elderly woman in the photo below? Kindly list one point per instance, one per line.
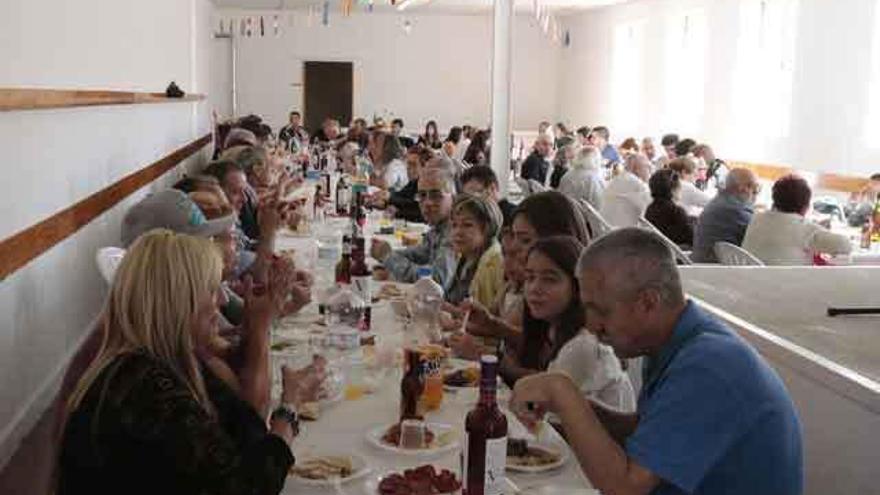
(148, 409)
(584, 181)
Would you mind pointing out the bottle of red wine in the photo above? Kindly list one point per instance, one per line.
(484, 456)
(362, 280)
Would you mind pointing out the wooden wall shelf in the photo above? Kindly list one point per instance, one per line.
(19, 249)
(12, 99)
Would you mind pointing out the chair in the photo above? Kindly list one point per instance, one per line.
(536, 187)
(524, 186)
(598, 225)
(680, 255)
(732, 255)
(108, 260)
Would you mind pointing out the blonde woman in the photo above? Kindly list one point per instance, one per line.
(147, 416)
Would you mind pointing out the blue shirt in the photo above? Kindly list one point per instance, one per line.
(714, 418)
(610, 154)
(726, 219)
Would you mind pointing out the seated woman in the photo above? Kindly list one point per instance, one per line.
(665, 212)
(388, 169)
(782, 236)
(554, 337)
(541, 215)
(476, 223)
(431, 137)
(147, 409)
(403, 202)
(562, 163)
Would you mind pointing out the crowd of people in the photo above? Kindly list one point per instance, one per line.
(176, 378)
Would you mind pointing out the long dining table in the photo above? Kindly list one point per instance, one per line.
(345, 422)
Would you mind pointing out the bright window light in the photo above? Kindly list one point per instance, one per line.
(685, 68)
(872, 123)
(764, 74)
(627, 76)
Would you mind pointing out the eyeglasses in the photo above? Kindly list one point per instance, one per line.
(432, 194)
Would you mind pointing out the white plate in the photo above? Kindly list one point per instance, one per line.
(374, 437)
(556, 449)
(358, 466)
(372, 483)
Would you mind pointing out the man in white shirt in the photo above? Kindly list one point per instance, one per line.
(692, 199)
(584, 180)
(782, 236)
(627, 195)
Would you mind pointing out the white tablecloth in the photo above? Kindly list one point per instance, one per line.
(343, 425)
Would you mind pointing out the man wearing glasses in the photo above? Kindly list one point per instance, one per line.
(436, 190)
(727, 216)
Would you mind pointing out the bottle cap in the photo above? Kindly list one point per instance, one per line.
(424, 271)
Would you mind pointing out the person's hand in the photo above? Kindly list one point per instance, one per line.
(269, 217)
(451, 321)
(535, 395)
(259, 304)
(480, 321)
(464, 346)
(303, 385)
(380, 250)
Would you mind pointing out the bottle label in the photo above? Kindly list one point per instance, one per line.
(362, 286)
(494, 465)
(496, 461)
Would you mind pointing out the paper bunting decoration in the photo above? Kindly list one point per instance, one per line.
(325, 16)
(346, 7)
(262, 27)
(276, 25)
(567, 39)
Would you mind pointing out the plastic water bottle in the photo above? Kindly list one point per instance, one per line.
(425, 306)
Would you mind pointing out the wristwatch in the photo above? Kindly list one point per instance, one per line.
(287, 412)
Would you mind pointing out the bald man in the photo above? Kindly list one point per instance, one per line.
(537, 164)
(727, 216)
(627, 195)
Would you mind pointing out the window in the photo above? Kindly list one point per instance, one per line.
(685, 72)
(872, 124)
(765, 68)
(627, 78)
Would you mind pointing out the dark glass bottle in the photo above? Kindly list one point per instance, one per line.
(342, 197)
(362, 279)
(343, 267)
(411, 386)
(484, 456)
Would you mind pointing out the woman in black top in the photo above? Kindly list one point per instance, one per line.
(669, 217)
(147, 417)
(431, 137)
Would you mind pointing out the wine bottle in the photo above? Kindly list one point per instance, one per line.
(484, 457)
(362, 279)
(411, 386)
(343, 268)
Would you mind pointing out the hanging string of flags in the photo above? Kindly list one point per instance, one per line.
(262, 25)
(549, 24)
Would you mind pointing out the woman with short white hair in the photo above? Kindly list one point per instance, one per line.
(584, 180)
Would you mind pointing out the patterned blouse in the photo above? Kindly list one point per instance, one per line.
(139, 430)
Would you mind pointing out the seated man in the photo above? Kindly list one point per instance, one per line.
(712, 418)
(627, 196)
(481, 180)
(537, 164)
(727, 216)
(782, 236)
(584, 181)
(435, 194)
(294, 135)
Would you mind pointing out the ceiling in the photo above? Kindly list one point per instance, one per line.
(559, 7)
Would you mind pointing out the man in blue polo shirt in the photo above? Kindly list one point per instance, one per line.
(712, 418)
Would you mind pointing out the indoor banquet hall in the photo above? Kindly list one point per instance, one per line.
(423, 247)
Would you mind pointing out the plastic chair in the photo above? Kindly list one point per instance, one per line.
(598, 225)
(680, 255)
(732, 255)
(108, 260)
(536, 187)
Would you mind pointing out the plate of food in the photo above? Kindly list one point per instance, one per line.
(529, 456)
(462, 377)
(439, 438)
(328, 470)
(422, 480)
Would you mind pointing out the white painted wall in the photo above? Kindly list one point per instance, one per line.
(441, 70)
(830, 92)
(53, 158)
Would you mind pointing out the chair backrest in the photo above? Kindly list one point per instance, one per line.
(524, 187)
(733, 255)
(598, 225)
(536, 187)
(680, 255)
